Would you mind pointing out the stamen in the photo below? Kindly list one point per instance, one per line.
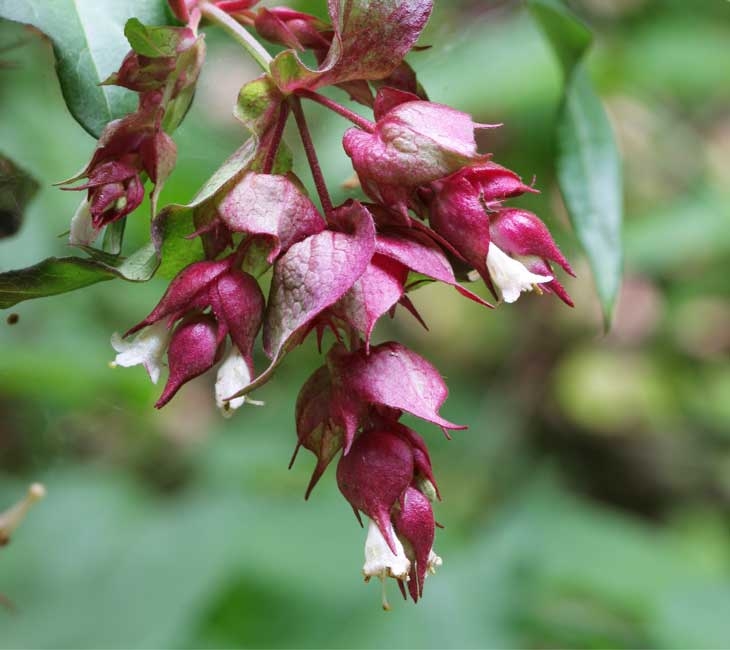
(384, 594)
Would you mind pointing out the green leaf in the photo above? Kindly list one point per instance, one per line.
(588, 162)
(152, 42)
(89, 44)
(589, 173)
(63, 274)
(569, 38)
(175, 223)
(114, 237)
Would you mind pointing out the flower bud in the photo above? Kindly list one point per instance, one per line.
(522, 233)
(238, 305)
(194, 348)
(374, 474)
(141, 73)
(415, 526)
(421, 458)
(115, 190)
(189, 290)
(457, 214)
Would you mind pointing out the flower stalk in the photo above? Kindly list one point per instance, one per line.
(255, 50)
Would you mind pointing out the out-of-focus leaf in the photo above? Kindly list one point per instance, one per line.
(62, 274)
(89, 44)
(684, 232)
(588, 165)
(17, 188)
(568, 37)
(589, 173)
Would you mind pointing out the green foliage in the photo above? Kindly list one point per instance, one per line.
(174, 529)
(174, 225)
(588, 162)
(589, 172)
(61, 275)
(88, 41)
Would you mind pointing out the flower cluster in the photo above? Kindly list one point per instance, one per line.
(432, 203)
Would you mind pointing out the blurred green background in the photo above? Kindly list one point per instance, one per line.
(588, 504)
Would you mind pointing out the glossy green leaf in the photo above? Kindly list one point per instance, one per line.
(588, 162)
(89, 44)
(63, 274)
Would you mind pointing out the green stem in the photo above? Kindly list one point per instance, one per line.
(239, 33)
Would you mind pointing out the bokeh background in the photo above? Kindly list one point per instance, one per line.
(588, 505)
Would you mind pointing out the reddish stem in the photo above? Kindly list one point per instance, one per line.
(357, 120)
(275, 140)
(309, 150)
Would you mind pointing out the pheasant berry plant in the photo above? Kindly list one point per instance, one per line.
(432, 208)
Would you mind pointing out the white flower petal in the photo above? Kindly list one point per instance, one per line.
(233, 375)
(510, 276)
(380, 561)
(434, 562)
(146, 348)
(82, 231)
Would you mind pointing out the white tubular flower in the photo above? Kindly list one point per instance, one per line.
(381, 562)
(82, 231)
(146, 348)
(510, 276)
(233, 375)
(13, 517)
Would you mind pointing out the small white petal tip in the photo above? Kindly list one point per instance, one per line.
(81, 230)
(147, 348)
(234, 374)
